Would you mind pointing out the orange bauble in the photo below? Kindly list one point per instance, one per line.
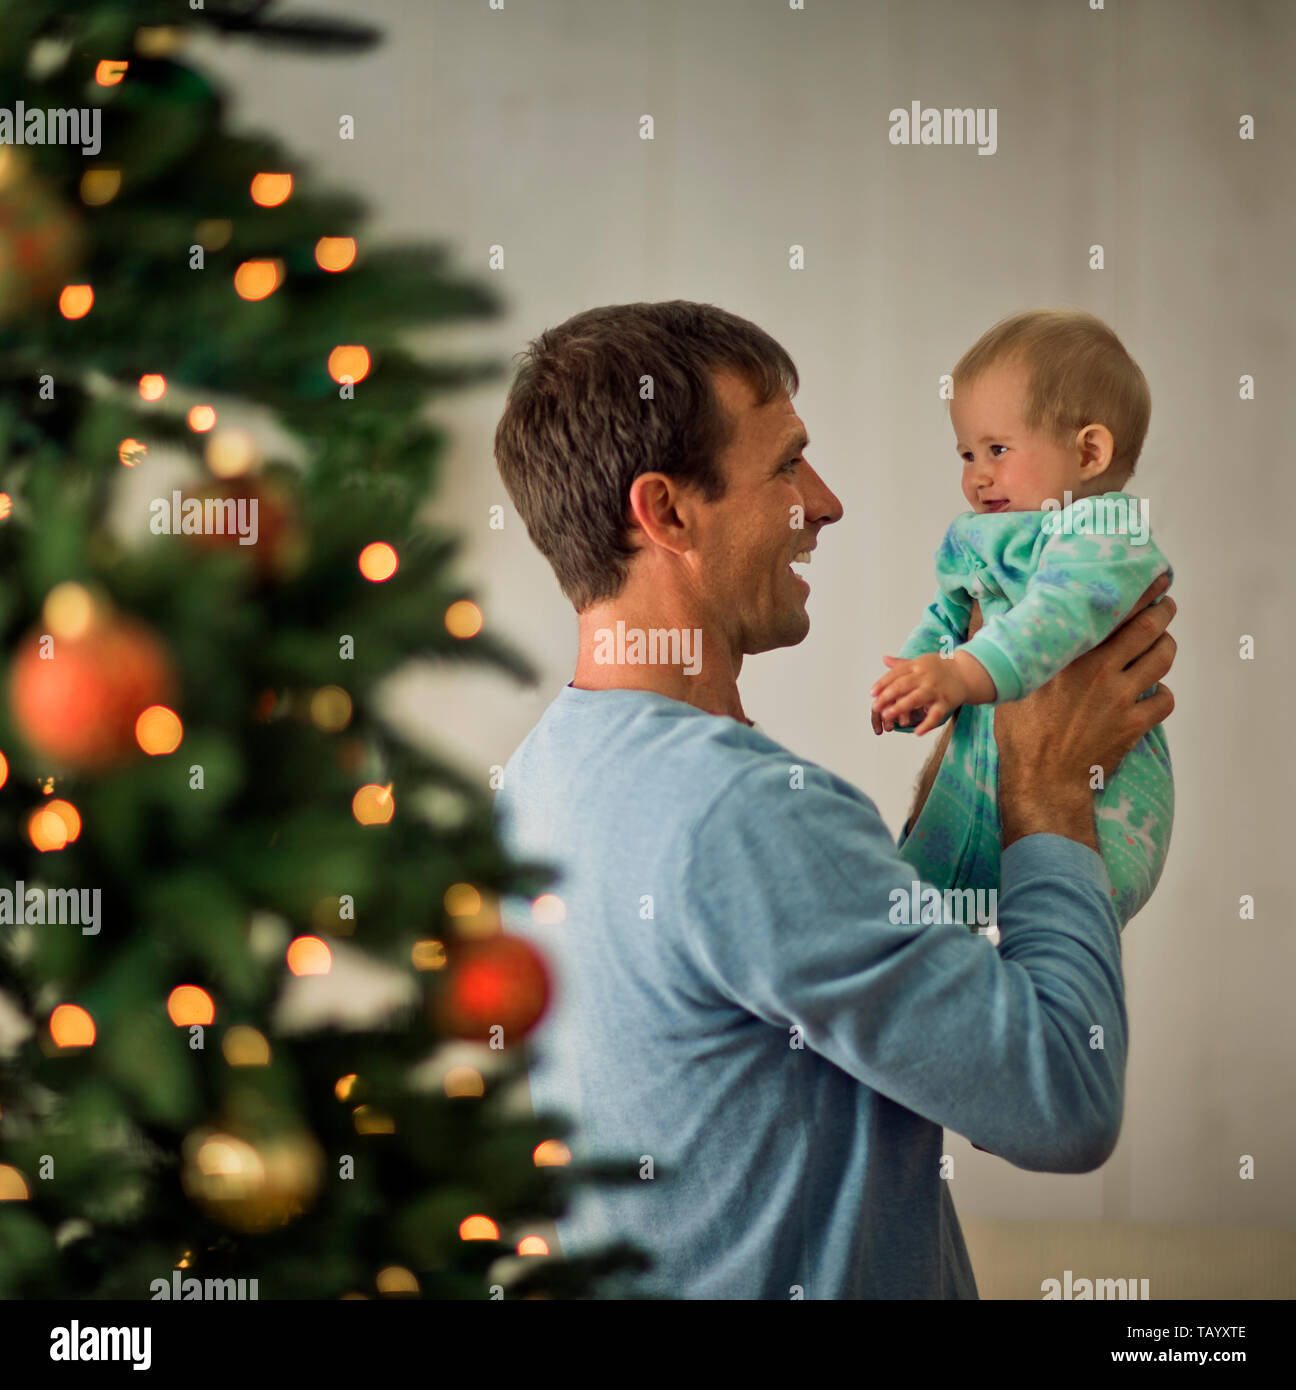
(79, 706)
(494, 980)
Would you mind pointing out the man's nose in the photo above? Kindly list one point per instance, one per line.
(822, 505)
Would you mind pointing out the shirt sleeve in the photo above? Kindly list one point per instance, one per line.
(796, 902)
(1081, 589)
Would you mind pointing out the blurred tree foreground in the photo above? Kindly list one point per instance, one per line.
(201, 809)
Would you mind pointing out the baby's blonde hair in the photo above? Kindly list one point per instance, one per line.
(1080, 374)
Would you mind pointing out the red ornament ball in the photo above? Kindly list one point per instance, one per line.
(78, 704)
(497, 980)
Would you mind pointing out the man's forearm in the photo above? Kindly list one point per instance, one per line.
(1027, 807)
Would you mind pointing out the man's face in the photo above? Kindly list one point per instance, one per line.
(1006, 467)
(748, 540)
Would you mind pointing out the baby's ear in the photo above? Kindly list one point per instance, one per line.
(1097, 450)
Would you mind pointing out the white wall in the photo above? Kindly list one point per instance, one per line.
(1117, 127)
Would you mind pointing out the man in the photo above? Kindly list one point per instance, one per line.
(738, 1021)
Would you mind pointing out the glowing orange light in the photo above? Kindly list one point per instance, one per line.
(13, 1186)
(462, 900)
(551, 1153)
(428, 955)
(47, 830)
(71, 1026)
(245, 1047)
(396, 1279)
(533, 1245)
(478, 1228)
(6, 505)
(257, 279)
(187, 1005)
(463, 619)
(110, 71)
(308, 955)
(68, 814)
(335, 252)
(463, 1081)
(269, 190)
(201, 418)
(373, 805)
(131, 451)
(76, 300)
(159, 730)
(4, 769)
(378, 562)
(370, 1121)
(100, 186)
(348, 362)
(345, 1085)
(549, 910)
(152, 386)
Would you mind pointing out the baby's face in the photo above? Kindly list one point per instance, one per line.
(1006, 467)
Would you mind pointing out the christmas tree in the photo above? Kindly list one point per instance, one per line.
(201, 806)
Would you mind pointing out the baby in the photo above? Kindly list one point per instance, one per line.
(1049, 414)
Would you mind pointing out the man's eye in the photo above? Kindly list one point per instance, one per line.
(792, 463)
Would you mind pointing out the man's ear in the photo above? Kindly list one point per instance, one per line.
(655, 508)
(1096, 446)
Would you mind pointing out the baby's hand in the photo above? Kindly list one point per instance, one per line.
(930, 686)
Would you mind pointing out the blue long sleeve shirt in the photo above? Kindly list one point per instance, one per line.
(740, 1022)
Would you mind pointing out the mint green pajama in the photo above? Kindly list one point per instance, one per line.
(1046, 597)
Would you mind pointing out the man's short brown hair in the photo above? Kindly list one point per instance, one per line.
(607, 396)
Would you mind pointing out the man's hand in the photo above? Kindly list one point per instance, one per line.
(1087, 716)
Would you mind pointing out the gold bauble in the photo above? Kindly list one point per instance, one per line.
(252, 1185)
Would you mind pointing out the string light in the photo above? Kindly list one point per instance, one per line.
(257, 279)
(71, 1026)
(158, 730)
(335, 253)
(110, 71)
(308, 955)
(100, 186)
(462, 900)
(378, 562)
(463, 619)
(271, 190)
(76, 301)
(152, 387)
(373, 805)
(187, 1005)
(349, 362)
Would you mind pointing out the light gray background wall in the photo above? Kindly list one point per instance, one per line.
(1120, 127)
